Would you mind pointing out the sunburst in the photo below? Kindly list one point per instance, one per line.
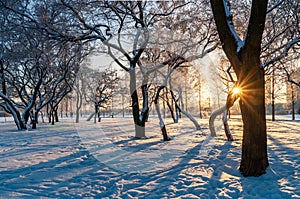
(236, 91)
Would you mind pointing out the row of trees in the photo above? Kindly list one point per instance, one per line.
(149, 41)
(35, 72)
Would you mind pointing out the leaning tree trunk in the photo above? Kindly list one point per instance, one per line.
(254, 145)
(177, 109)
(212, 118)
(186, 113)
(226, 126)
(18, 119)
(162, 124)
(161, 121)
(91, 116)
(16, 115)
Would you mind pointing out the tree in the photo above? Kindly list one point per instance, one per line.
(130, 19)
(244, 55)
(99, 88)
(173, 46)
(35, 71)
(22, 75)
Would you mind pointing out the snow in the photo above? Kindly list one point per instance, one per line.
(103, 160)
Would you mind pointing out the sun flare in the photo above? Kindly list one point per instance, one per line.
(236, 91)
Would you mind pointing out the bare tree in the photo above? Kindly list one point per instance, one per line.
(127, 20)
(99, 88)
(244, 56)
(35, 71)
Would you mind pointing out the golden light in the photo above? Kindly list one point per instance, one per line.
(236, 91)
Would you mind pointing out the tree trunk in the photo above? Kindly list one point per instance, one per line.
(67, 106)
(161, 121)
(188, 115)
(34, 120)
(177, 109)
(254, 145)
(273, 110)
(171, 110)
(77, 116)
(56, 115)
(16, 115)
(139, 124)
(42, 115)
(78, 105)
(273, 95)
(212, 119)
(293, 110)
(244, 55)
(293, 102)
(99, 115)
(12, 109)
(199, 99)
(96, 112)
(18, 121)
(226, 126)
(90, 117)
(48, 113)
(52, 117)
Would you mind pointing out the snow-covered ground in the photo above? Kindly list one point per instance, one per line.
(104, 160)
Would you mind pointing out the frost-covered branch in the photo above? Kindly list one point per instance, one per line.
(289, 77)
(284, 53)
(275, 6)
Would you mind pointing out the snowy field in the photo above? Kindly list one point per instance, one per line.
(104, 160)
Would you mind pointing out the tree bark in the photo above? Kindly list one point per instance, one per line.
(11, 108)
(139, 124)
(78, 104)
(161, 121)
(226, 126)
(212, 119)
(244, 56)
(254, 146)
(177, 109)
(56, 114)
(273, 95)
(293, 102)
(34, 119)
(96, 109)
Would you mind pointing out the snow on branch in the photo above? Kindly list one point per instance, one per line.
(230, 23)
(275, 6)
(284, 53)
(289, 77)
